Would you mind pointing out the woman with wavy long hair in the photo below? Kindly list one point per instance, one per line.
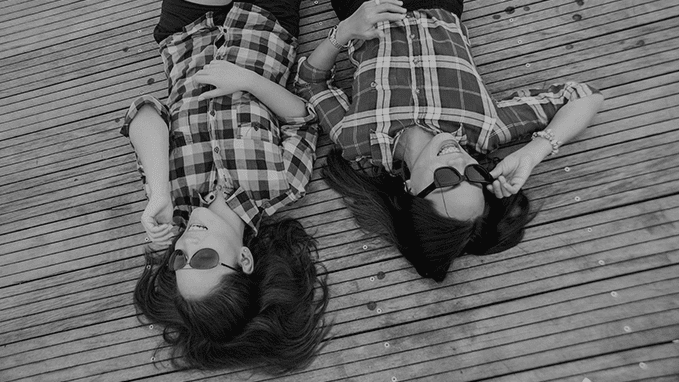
(229, 147)
(421, 116)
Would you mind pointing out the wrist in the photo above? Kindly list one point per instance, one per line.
(249, 80)
(159, 190)
(343, 34)
(548, 136)
(538, 150)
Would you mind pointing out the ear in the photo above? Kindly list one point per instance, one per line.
(246, 261)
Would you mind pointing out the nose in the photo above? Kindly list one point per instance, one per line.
(189, 243)
(458, 163)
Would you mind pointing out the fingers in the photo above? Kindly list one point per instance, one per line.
(161, 233)
(164, 239)
(387, 4)
(211, 94)
(501, 188)
(391, 7)
(203, 78)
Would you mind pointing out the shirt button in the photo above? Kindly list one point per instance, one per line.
(417, 91)
(373, 84)
(415, 61)
(217, 150)
(212, 113)
(412, 35)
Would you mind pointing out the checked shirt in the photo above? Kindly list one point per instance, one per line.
(422, 74)
(232, 144)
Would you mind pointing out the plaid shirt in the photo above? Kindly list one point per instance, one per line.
(232, 143)
(422, 74)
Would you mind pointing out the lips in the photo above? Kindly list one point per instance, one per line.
(449, 147)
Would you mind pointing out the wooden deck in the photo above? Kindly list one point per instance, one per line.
(592, 293)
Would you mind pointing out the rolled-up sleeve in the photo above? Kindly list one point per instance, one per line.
(530, 110)
(298, 145)
(317, 87)
(137, 105)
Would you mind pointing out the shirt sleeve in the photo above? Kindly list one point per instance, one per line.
(298, 145)
(317, 87)
(530, 110)
(129, 116)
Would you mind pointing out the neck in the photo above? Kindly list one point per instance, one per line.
(219, 207)
(410, 144)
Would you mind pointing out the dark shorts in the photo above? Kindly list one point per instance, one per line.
(345, 8)
(175, 14)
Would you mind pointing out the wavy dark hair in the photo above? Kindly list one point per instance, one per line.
(271, 319)
(429, 241)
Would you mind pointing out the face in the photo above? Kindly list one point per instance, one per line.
(206, 229)
(463, 202)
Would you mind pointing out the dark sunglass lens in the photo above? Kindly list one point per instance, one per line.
(177, 259)
(205, 259)
(446, 177)
(476, 173)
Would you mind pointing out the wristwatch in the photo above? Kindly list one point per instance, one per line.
(332, 36)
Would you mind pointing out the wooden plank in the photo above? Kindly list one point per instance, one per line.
(62, 361)
(542, 310)
(124, 41)
(323, 368)
(645, 339)
(95, 21)
(619, 366)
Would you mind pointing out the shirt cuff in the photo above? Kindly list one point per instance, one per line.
(310, 117)
(137, 105)
(306, 72)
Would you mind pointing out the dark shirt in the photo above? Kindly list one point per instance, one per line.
(175, 14)
(345, 8)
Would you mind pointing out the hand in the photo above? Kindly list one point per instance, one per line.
(157, 217)
(510, 175)
(362, 24)
(225, 76)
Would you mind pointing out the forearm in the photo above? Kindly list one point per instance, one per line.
(277, 98)
(149, 136)
(568, 122)
(325, 54)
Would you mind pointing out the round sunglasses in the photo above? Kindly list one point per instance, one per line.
(205, 258)
(450, 177)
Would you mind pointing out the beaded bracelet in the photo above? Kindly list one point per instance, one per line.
(549, 136)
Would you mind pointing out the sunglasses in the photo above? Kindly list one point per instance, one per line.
(450, 177)
(205, 258)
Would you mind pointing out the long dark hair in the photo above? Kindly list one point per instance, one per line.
(271, 319)
(429, 241)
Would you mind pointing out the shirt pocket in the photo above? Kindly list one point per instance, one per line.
(254, 120)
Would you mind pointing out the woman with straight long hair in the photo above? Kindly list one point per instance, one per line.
(422, 118)
(229, 147)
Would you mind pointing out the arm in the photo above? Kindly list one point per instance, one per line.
(149, 137)
(362, 25)
(298, 128)
(229, 78)
(569, 121)
(314, 79)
